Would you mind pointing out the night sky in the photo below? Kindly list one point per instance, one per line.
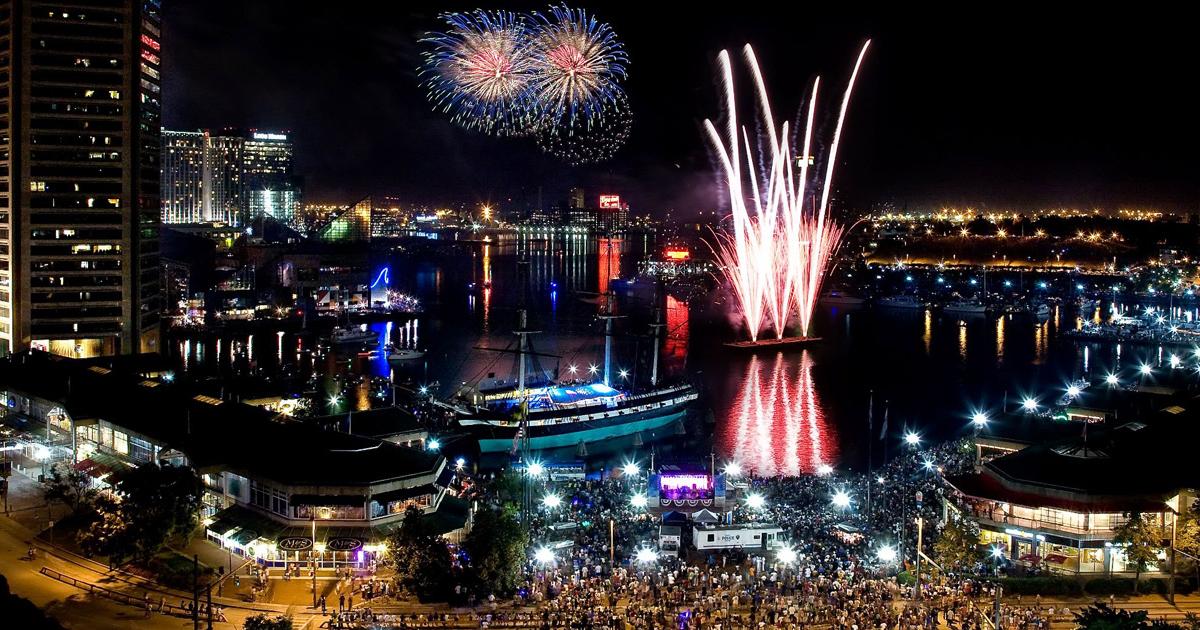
(1016, 110)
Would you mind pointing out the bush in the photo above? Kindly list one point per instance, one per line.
(1113, 586)
(175, 570)
(1054, 586)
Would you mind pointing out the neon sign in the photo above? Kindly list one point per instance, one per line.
(382, 277)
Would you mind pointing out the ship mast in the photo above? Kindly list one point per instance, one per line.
(657, 326)
(522, 339)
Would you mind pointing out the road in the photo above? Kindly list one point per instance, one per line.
(75, 608)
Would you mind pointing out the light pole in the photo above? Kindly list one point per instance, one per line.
(1174, 526)
(920, 532)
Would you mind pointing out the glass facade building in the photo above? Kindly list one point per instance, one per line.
(80, 89)
(270, 182)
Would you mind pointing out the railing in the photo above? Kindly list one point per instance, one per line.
(124, 598)
(1091, 533)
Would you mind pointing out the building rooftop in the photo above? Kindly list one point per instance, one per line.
(1118, 467)
(211, 432)
(381, 423)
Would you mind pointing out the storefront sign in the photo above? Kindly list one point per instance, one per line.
(344, 544)
(295, 543)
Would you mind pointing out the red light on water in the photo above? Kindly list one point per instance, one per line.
(776, 424)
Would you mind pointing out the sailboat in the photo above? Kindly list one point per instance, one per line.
(547, 415)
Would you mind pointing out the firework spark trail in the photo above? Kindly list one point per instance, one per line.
(479, 71)
(579, 64)
(779, 252)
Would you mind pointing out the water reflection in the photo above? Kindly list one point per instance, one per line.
(777, 424)
(1000, 325)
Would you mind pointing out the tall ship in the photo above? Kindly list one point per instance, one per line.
(530, 415)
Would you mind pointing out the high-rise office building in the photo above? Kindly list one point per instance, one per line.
(225, 194)
(183, 187)
(79, 176)
(271, 188)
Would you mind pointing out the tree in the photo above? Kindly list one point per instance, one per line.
(957, 546)
(421, 558)
(71, 486)
(1187, 537)
(162, 502)
(1101, 617)
(496, 547)
(1141, 538)
(106, 532)
(149, 506)
(262, 621)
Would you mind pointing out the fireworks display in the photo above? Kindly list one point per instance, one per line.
(479, 71)
(579, 64)
(778, 251)
(556, 76)
(593, 140)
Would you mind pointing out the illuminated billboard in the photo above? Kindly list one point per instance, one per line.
(610, 202)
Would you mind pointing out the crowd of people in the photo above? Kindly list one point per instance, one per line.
(593, 576)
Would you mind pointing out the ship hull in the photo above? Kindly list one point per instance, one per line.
(564, 436)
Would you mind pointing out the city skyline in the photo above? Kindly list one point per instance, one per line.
(960, 115)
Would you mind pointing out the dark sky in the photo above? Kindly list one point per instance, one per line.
(1018, 109)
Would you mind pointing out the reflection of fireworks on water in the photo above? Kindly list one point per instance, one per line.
(478, 71)
(778, 252)
(776, 425)
(596, 139)
(579, 64)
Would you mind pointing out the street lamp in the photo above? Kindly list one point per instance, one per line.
(912, 438)
(631, 469)
(1112, 379)
(535, 469)
(824, 470)
(841, 499)
(646, 555)
(886, 555)
(551, 501)
(433, 444)
(1072, 391)
(543, 556)
(733, 469)
(639, 501)
(755, 501)
(786, 555)
(979, 419)
(1146, 369)
(1029, 404)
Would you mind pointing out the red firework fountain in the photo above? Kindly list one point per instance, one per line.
(780, 249)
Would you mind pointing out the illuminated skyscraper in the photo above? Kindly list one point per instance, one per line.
(183, 182)
(271, 186)
(224, 180)
(79, 176)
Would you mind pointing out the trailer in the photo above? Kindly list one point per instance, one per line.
(746, 536)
